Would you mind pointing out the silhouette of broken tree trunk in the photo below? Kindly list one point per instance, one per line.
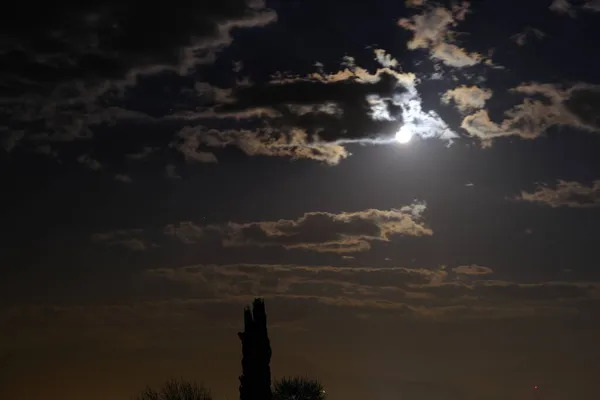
(255, 381)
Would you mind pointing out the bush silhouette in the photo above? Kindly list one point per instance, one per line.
(177, 390)
(298, 388)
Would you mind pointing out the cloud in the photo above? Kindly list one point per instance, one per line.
(171, 172)
(415, 3)
(562, 7)
(261, 142)
(570, 7)
(123, 178)
(132, 239)
(385, 59)
(521, 38)
(472, 270)
(89, 162)
(313, 116)
(592, 5)
(545, 106)
(10, 140)
(346, 232)
(346, 91)
(467, 98)
(188, 301)
(188, 146)
(322, 232)
(144, 153)
(432, 31)
(279, 277)
(565, 194)
(421, 293)
(45, 149)
(60, 72)
(186, 231)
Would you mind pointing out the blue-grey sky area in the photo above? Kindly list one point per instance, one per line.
(413, 186)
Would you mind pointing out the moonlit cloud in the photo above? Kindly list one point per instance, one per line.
(263, 142)
(385, 59)
(467, 98)
(472, 270)
(563, 106)
(565, 194)
(165, 164)
(391, 96)
(319, 232)
(188, 146)
(432, 30)
(326, 232)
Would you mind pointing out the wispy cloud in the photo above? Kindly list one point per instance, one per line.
(321, 232)
(346, 232)
(472, 270)
(123, 178)
(561, 106)
(89, 162)
(565, 194)
(523, 37)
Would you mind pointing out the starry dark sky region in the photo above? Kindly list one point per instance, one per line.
(412, 186)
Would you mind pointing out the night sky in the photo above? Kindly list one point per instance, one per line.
(413, 187)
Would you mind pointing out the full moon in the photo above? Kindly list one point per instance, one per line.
(404, 135)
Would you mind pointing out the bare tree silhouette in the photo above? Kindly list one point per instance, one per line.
(298, 388)
(175, 389)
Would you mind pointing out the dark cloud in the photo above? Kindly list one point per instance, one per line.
(584, 102)
(132, 239)
(570, 7)
(189, 301)
(60, 62)
(522, 38)
(519, 294)
(144, 153)
(123, 178)
(89, 162)
(420, 292)
(99, 41)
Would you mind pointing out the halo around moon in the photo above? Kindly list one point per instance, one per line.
(404, 135)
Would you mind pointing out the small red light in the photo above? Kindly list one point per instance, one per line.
(536, 387)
